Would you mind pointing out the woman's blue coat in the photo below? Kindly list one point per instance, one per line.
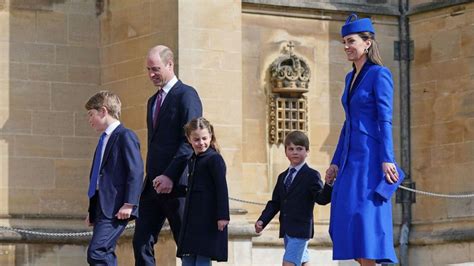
(361, 220)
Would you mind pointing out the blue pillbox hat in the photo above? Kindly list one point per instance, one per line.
(355, 25)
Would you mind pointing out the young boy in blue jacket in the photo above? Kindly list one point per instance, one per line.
(115, 179)
(295, 193)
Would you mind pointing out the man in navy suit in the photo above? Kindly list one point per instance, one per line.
(115, 179)
(168, 110)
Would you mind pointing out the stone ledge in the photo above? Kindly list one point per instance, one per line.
(383, 9)
(441, 237)
(237, 230)
(427, 7)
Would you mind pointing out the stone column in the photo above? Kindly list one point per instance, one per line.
(210, 59)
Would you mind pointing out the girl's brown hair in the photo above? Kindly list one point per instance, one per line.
(373, 53)
(202, 123)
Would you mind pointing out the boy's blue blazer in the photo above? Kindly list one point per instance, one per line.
(121, 173)
(296, 206)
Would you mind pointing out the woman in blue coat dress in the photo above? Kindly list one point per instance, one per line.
(361, 219)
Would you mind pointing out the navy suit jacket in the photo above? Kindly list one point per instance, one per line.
(207, 201)
(296, 205)
(168, 149)
(120, 174)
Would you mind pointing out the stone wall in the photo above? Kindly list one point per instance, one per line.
(442, 132)
(128, 30)
(210, 60)
(50, 67)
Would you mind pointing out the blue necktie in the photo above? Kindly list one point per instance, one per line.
(96, 166)
(289, 178)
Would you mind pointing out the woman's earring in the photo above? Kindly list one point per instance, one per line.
(366, 50)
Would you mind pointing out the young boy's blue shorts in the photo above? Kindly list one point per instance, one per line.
(296, 250)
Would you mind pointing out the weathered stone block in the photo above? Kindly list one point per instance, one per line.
(422, 52)
(81, 125)
(469, 130)
(464, 104)
(126, 50)
(15, 121)
(72, 173)
(213, 111)
(31, 173)
(86, 75)
(38, 146)
(80, 148)
(467, 41)
(449, 132)
(134, 91)
(77, 55)
(42, 72)
(83, 29)
(222, 40)
(21, 29)
(32, 53)
(53, 123)
(440, 43)
(254, 176)
(15, 71)
(443, 155)
(69, 202)
(62, 93)
(51, 27)
(134, 117)
(129, 23)
(123, 70)
(464, 152)
(422, 136)
(254, 142)
(421, 157)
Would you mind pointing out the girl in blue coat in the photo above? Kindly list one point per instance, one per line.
(361, 219)
(203, 234)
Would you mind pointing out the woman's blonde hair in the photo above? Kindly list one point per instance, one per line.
(202, 123)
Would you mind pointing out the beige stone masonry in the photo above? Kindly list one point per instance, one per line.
(442, 108)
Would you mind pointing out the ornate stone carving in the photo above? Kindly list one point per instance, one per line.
(287, 105)
(290, 74)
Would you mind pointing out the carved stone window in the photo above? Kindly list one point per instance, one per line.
(288, 106)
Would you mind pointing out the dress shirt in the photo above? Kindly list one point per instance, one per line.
(165, 89)
(297, 168)
(108, 132)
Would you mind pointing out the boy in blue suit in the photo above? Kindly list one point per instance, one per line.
(294, 195)
(115, 179)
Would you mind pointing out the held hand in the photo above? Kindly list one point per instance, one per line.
(221, 224)
(390, 172)
(87, 221)
(124, 212)
(329, 180)
(258, 227)
(162, 184)
(331, 173)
